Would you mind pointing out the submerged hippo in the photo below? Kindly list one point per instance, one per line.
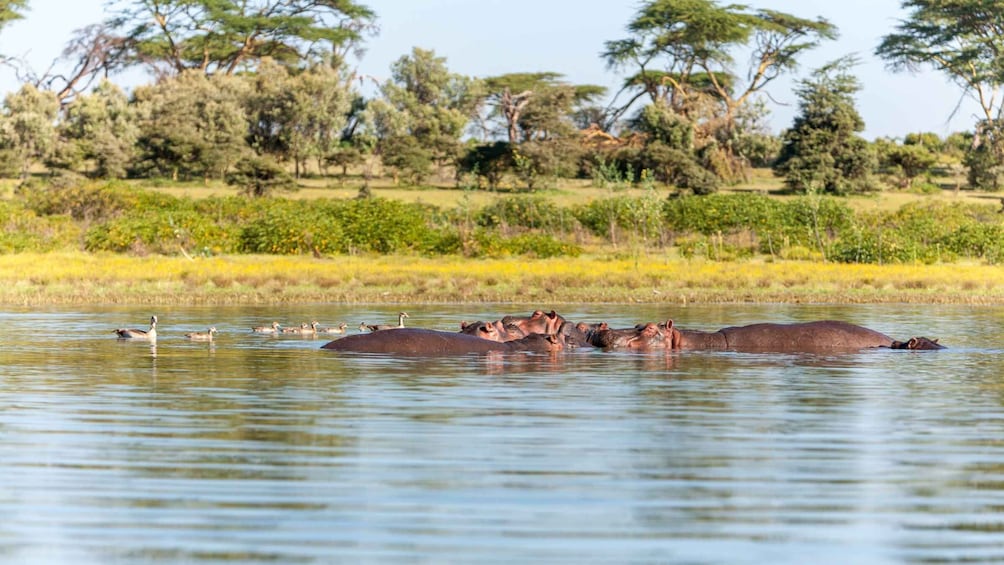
(493, 331)
(416, 341)
(643, 336)
(538, 322)
(825, 335)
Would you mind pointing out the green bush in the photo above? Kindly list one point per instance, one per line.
(528, 212)
(885, 246)
(24, 230)
(153, 230)
(379, 225)
(490, 244)
(292, 228)
(643, 216)
(84, 202)
(720, 213)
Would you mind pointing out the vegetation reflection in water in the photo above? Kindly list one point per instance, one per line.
(260, 448)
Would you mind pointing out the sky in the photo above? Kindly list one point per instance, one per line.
(493, 37)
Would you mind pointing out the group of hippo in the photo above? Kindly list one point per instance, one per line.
(548, 331)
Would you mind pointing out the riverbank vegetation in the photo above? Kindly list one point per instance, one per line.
(73, 278)
(246, 159)
(119, 218)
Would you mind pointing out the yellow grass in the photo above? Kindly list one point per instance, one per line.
(78, 278)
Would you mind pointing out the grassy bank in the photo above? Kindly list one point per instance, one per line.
(79, 278)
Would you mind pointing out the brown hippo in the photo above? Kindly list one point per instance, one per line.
(825, 335)
(643, 336)
(494, 331)
(575, 335)
(417, 341)
(538, 322)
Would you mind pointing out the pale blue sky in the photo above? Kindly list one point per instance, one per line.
(490, 37)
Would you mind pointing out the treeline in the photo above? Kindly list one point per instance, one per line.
(259, 93)
(116, 218)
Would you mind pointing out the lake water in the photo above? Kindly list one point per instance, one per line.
(270, 450)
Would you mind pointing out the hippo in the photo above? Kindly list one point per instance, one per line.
(643, 336)
(574, 336)
(824, 335)
(417, 341)
(538, 322)
(511, 328)
(493, 331)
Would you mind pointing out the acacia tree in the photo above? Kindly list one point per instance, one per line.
(681, 52)
(963, 39)
(536, 105)
(10, 10)
(225, 36)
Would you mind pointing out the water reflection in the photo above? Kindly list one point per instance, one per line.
(268, 449)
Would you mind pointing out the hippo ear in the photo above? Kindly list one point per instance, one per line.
(604, 326)
(669, 324)
(536, 314)
(552, 315)
(463, 325)
(911, 343)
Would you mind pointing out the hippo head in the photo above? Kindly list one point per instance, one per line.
(484, 330)
(538, 322)
(921, 343)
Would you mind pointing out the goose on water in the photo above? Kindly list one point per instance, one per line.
(150, 334)
(304, 329)
(400, 324)
(202, 336)
(273, 329)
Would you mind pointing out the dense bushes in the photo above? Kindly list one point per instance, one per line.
(24, 230)
(118, 218)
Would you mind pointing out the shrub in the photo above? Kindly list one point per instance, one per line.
(292, 228)
(23, 230)
(152, 230)
(490, 244)
(528, 212)
(635, 215)
(85, 202)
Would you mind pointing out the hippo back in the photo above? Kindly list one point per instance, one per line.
(414, 341)
(823, 335)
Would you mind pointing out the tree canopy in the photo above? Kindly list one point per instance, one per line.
(682, 50)
(964, 39)
(225, 36)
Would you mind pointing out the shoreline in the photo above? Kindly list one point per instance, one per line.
(73, 278)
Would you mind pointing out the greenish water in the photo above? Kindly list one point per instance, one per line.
(269, 450)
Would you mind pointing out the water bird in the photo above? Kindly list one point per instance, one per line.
(304, 329)
(150, 334)
(400, 324)
(273, 329)
(202, 336)
(339, 329)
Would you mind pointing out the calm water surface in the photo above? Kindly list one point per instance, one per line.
(260, 449)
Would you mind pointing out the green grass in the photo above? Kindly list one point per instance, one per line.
(444, 193)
